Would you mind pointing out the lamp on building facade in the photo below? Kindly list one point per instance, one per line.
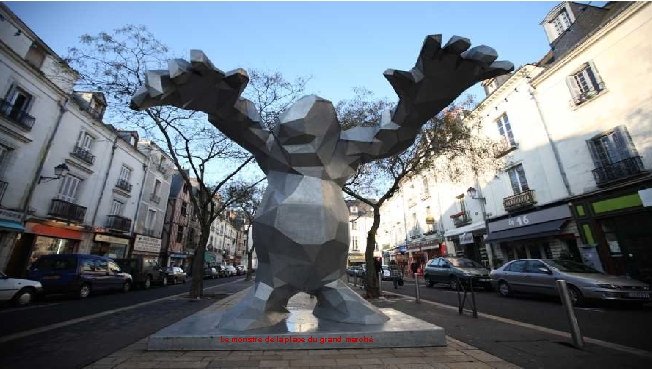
(473, 193)
(60, 170)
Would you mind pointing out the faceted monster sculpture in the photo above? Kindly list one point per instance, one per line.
(301, 228)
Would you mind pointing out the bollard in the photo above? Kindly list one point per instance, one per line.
(578, 340)
(416, 286)
(380, 284)
(355, 279)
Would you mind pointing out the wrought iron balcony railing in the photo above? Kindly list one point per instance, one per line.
(519, 201)
(83, 154)
(620, 170)
(123, 185)
(461, 219)
(118, 223)
(67, 210)
(16, 115)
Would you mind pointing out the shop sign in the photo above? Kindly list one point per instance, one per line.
(466, 238)
(146, 243)
(535, 217)
(111, 239)
(11, 215)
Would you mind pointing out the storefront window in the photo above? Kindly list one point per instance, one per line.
(111, 250)
(48, 245)
(610, 235)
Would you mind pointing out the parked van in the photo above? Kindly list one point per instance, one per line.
(79, 274)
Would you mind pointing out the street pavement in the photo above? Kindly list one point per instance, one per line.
(115, 339)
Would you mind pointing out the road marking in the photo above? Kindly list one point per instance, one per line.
(50, 327)
(615, 346)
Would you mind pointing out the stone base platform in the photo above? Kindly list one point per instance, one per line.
(300, 330)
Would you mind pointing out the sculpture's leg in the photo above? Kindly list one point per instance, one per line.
(336, 301)
(263, 306)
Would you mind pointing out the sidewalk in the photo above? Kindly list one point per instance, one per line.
(485, 342)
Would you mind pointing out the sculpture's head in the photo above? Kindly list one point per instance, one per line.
(308, 126)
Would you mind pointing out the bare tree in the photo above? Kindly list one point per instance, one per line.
(451, 135)
(115, 64)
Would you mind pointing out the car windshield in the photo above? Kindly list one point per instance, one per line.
(59, 263)
(465, 263)
(570, 266)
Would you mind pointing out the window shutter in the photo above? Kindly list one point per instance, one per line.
(593, 150)
(596, 75)
(574, 88)
(628, 148)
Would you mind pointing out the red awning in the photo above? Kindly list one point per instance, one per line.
(57, 232)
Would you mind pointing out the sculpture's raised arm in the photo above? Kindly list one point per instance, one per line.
(440, 75)
(199, 86)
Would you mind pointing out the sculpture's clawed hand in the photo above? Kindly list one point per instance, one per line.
(197, 85)
(443, 72)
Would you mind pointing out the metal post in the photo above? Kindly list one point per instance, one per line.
(416, 286)
(355, 279)
(475, 309)
(578, 340)
(380, 283)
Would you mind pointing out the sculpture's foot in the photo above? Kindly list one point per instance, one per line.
(263, 306)
(337, 302)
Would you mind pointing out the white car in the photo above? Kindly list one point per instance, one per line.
(230, 270)
(19, 291)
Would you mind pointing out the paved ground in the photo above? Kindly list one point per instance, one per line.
(457, 355)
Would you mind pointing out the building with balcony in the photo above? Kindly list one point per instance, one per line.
(361, 218)
(56, 192)
(181, 231)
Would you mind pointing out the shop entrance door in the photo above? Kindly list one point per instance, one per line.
(634, 234)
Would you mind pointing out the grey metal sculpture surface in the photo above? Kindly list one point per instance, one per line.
(301, 228)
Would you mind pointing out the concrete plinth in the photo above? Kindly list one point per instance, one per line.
(300, 330)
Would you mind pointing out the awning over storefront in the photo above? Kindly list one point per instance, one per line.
(56, 232)
(468, 228)
(11, 226)
(551, 228)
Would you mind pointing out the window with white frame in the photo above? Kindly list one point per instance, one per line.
(125, 173)
(426, 186)
(354, 243)
(353, 209)
(116, 207)
(69, 188)
(85, 141)
(517, 179)
(17, 103)
(5, 152)
(614, 155)
(561, 22)
(354, 225)
(585, 83)
(157, 187)
(505, 130)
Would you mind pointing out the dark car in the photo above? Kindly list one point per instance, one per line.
(79, 274)
(354, 270)
(241, 269)
(211, 272)
(175, 275)
(145, 271)
(453, 270)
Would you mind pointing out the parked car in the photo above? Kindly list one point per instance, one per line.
(240, 269)
(80, 274)
(354, 270)
(211, 272)
(175, 275)
(19, 291)
(453, 270)
(230, 270)
(584, 283)
(145, 271)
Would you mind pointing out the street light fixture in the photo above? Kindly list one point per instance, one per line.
(60, 170)
(473, 193)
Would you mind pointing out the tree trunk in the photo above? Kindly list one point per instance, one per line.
(372, 274)
(197, 285)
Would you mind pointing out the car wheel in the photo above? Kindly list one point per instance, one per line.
(575, 296)
(148, 282)
(453, 283)
(504, 289)
(183, 280)
(84, 290)
(24, 297)
(126, 287)
(165, 281)
(429, 282)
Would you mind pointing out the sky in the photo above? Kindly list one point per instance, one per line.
(340, 45)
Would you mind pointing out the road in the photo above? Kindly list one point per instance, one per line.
(624, 324)
(61, 332)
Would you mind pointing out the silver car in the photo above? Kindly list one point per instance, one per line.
(539, 276)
